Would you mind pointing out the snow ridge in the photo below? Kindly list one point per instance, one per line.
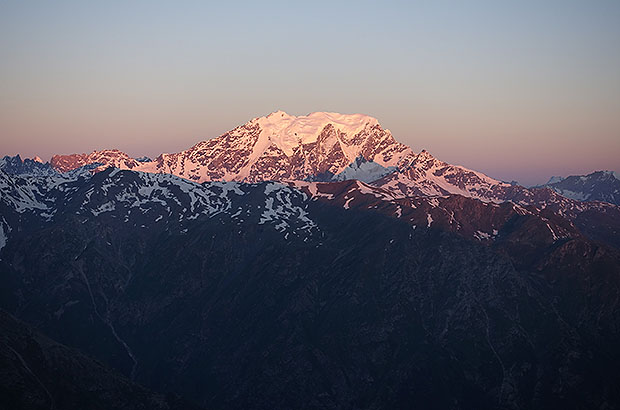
(149, 201)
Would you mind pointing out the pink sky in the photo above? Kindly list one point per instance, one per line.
(499, 88)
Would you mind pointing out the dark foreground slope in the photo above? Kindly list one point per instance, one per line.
(38, 373)
(362, 308)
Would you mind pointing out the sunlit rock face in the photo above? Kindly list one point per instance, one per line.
(272, 148)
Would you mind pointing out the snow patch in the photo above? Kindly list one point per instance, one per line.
(481, 235)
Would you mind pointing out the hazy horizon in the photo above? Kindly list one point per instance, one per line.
(518, 91)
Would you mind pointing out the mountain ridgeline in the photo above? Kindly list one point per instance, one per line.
(597, 186)
(302, 262)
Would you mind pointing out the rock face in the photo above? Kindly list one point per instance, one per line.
(109, 157)
(597, 186)
(319, 295)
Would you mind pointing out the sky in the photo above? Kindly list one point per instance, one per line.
(520, 90)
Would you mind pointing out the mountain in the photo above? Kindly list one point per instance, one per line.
(15, 165)
(425, 175)
(308, 262)
(597, 186)
(38, 373)
(272, 148)
(317, 147)
(108, 157)
(27, 201)
(319, 295)
(326, 147)
(554, 179)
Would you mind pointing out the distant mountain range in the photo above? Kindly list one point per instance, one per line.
(16, 166)
(328, 147)
(303, 262)
(597, 186)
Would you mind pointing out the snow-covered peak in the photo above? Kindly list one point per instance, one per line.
(596, 186)
(288, 131)
(277, 147)
(278, 114)
(554, 179)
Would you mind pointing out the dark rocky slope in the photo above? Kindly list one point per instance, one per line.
(335, 296)
(366, 311)
(38, 373)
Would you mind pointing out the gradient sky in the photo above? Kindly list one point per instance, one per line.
(516, 89)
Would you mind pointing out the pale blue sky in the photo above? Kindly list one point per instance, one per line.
(519, 90)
